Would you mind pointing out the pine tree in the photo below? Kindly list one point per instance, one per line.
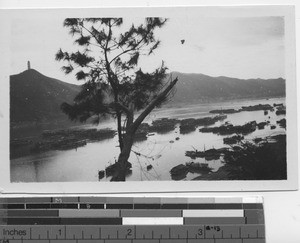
(114, 84)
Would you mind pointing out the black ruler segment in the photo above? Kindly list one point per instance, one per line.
(147, 206)
(64, 205)
(214, 220)
(32, 213)
(91, 221)
(33, 221)
(252, 206)
(38, 205)
(91, 206)
(132, 220)
(174, 206)
(12, 206)
(119, 206)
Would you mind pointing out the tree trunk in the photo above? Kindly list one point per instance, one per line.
(119, 125)
(131, 128)
(123, 164)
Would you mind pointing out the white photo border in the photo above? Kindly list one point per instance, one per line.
(288, 12)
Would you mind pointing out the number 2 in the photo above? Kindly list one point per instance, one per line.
(129, 232)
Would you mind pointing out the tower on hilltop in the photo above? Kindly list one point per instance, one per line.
(28, 65)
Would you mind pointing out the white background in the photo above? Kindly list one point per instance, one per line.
(282, 208)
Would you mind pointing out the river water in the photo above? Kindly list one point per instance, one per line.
(162, 151)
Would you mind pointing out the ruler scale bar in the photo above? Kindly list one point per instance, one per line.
(140, 231)
(122, 220)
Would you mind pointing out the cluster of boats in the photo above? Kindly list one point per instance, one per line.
(70, 139)
(179, 172)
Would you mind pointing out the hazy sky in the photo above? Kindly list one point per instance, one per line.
(234, 47)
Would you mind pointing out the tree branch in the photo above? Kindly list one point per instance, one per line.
(134, 48)
(153, 104)
(95, 37)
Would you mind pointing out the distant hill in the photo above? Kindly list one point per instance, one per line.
(37, 98)
(201, 88)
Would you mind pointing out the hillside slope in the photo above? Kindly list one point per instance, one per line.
(37, 98)
(200, 88)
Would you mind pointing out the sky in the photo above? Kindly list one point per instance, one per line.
(240, 47)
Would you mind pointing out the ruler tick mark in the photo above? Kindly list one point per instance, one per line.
(134, 231)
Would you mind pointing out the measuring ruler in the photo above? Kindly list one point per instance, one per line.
(131, 220)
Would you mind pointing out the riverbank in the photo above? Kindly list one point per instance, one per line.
(265, 160)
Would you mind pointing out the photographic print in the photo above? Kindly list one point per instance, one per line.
(197, 95)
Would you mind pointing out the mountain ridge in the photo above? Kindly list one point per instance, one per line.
(35, 97)
(204, 88)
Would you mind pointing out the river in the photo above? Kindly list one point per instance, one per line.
(162, 151)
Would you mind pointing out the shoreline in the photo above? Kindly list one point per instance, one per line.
(67, 123)
(216, 101)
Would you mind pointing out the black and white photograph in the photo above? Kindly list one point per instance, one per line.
(173, 95)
